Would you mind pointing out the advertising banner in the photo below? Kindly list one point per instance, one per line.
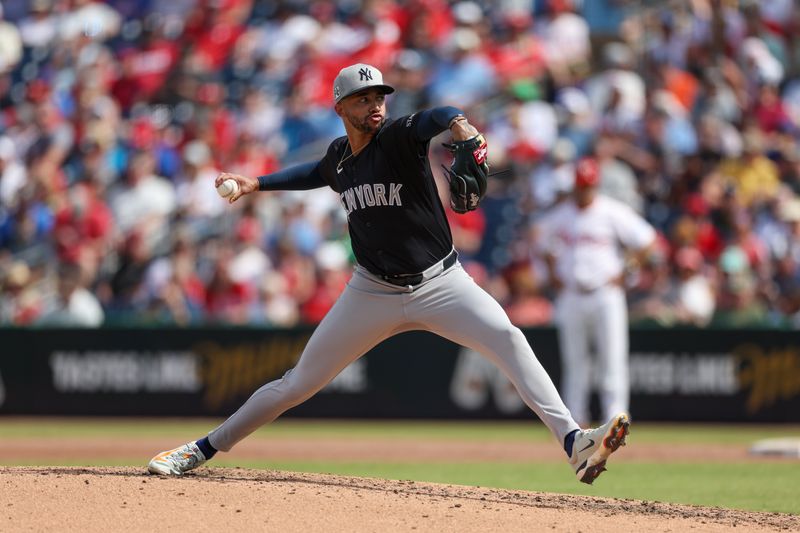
(677, 375)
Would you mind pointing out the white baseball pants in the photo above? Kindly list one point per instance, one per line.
(370, 310)
(599, 319)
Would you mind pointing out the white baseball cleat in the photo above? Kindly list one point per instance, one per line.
(592, 447)
(178, 461)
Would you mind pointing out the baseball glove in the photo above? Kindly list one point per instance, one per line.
(468, 174)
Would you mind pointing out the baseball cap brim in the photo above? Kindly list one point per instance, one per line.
(387, 89)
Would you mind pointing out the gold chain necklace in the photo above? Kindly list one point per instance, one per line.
(343, 159)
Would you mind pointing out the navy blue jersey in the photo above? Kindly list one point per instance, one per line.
(397, 222)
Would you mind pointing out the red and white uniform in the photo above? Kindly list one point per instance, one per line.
(588, 245)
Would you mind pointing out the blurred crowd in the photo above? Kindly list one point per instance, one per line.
(116, 117)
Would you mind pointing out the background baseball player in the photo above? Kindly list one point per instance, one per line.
(408, 276)
(585, 240)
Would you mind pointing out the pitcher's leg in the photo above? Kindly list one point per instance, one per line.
(611, 334)
(458, 309)
(573, 342)
(357, 322)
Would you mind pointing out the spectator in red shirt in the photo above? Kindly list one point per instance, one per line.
(145, 68)
(526, 305)
(84, 227)
(768, 109)
(226, 299)
(333, 272)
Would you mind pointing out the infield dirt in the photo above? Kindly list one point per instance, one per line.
(90, 499)
(224, 499)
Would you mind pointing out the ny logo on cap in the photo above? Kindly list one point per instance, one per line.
(364, 74)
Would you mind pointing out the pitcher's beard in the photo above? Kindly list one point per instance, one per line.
(364, 125)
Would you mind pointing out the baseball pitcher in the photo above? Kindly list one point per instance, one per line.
(407, 275)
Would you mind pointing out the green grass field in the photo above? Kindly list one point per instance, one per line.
(759, 486)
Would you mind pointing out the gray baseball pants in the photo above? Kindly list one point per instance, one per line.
(370, 310)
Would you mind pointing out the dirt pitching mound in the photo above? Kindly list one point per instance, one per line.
(222, 499)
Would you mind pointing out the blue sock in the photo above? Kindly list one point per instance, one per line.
(206, 447)
(568, 441)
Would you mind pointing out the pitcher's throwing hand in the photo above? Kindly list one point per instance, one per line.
(246, 185)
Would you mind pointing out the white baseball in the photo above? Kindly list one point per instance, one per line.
(227, 188)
